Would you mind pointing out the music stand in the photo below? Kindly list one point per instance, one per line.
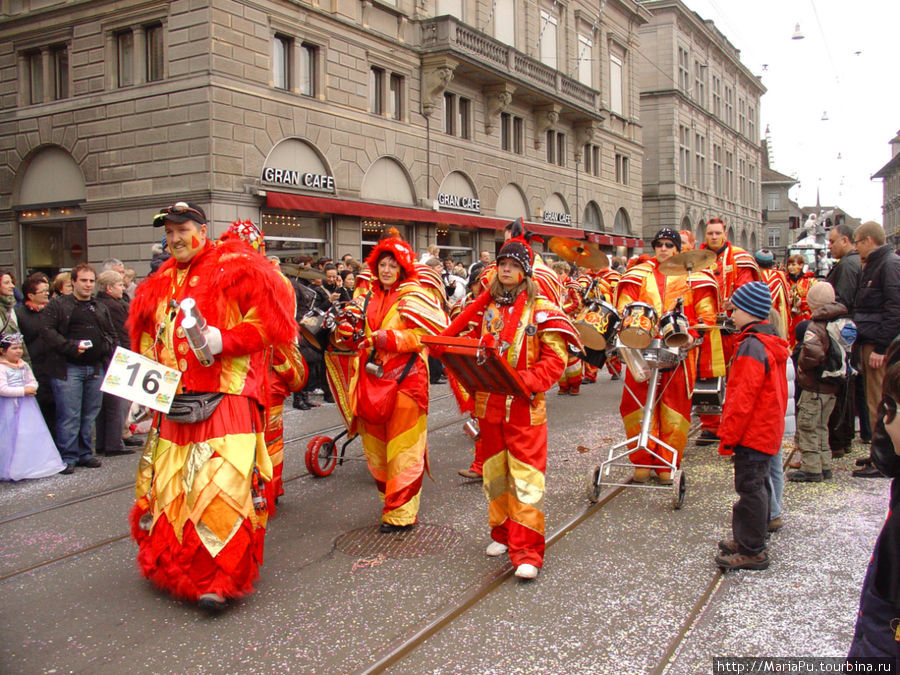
(477, 367)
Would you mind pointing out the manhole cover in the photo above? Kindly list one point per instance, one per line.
(422, 540)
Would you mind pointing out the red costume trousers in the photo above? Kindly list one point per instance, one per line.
(514, 466)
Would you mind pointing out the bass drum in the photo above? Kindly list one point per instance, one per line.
(638, 325)
(316, 326)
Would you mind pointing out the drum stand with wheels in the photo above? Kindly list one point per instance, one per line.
(617, 455)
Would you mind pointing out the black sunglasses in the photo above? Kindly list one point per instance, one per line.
(887, 409)
(663, 244)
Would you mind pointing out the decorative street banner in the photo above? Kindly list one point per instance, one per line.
(141, 380)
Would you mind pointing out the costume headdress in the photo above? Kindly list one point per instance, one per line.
(7, 340)
(400, 250)
(518, 250)
(248, 231)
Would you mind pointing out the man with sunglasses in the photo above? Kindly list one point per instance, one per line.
(733, 268)
(200, 515)
(876, 312)
(672, 414)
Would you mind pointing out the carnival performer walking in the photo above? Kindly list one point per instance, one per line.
(514, 429)
(672, 412)
(388, 385)
(572, 302)
(200, 516)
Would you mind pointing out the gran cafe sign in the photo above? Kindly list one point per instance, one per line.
(309, 181)
(555, 218)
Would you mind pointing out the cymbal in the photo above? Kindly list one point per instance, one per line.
(292, 270)
(689, 261)
(580, 253)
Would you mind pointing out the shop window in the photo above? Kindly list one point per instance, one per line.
(456, 244)
(53, 245)
(372, 231)
(296, 238)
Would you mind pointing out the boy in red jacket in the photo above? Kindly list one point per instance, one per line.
(752, 424)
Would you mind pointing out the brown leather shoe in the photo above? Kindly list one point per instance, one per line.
(739, 561)
(468, 473)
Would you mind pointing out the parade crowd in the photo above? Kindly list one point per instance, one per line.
(784, 368)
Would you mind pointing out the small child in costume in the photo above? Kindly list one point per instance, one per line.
(27, 449)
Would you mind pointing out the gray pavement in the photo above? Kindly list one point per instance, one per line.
(631, 589)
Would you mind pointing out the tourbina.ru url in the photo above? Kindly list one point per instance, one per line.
(771, 664)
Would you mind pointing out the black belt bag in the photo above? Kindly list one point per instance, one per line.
(193, 408)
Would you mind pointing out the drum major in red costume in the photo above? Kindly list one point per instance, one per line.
(733, 268)
(199, 533)
(395, 308)
(672, 414)
(514, 429)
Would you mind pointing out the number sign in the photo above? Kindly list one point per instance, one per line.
(141, 380)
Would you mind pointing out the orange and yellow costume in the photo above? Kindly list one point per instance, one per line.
(799, 308)
(777, 282)
(393, 319)
(196, 481)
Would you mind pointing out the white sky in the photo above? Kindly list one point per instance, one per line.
(819, 74)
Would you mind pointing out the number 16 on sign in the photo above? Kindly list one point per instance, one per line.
(141, 380)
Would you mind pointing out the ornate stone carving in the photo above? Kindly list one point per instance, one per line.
(496, 101)
(545, 118)
(436, 76)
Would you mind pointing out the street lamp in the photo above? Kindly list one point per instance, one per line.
(797, 34)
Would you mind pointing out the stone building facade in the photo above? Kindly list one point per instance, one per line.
(700, 112)
(323, 121)
(890, 179)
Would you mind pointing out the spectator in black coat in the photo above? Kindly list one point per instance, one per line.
(36, 291)
(876, 312)
(114, 411)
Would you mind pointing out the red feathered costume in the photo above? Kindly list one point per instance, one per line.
(197, 480)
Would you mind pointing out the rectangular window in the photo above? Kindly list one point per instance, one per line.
(684, 155)
(717, 97)
(505, 21)
(308, 59)
(742, 116)
(585, 60)
(549, 24)
(751, 123)
(774, 237)
(742, 180)
(125, 58)
(505, 131)
(59, 64)
(154, 52)
(729, 106)
(376, 90)
(463, 110)
(592, 159)
(751, 186)
(561, 149)
(621, 169)
(729, 175)
(700, 83)
(281, 62)
(615, 85)
(684, 76)
(700, 161)
(717, 170)
(773, 201)
(449, 113)
(551, 146)
(396, 96)
(35, 63)
(518, 135)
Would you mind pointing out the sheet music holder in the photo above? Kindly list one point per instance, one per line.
(478, 367)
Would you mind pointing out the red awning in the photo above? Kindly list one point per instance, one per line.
(344, 207)
(614, 240)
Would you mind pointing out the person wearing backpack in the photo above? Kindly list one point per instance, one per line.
(818, 366)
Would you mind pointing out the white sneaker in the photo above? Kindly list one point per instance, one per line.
(495, 548)
(526, 571)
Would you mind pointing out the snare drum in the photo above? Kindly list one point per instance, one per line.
(638, 325)
(315, 327)
(597, 324)
(673, 327)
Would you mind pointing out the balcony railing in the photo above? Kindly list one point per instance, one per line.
(446, 33)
